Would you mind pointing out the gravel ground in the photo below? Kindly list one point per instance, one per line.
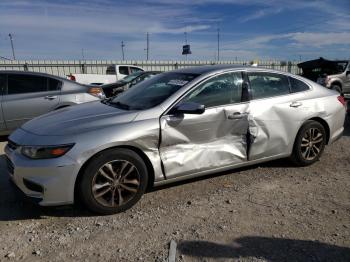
(270, 212)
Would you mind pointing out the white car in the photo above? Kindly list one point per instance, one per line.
(175, 126)
(113, 74)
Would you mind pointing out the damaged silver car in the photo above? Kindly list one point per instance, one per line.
(177, 125)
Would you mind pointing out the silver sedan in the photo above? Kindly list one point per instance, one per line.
(177, 125)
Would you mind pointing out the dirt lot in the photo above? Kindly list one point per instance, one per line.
(271, 212)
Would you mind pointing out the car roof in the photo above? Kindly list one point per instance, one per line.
(33, 73)
(200, 70)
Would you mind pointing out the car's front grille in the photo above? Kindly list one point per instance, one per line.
(12, 145)
(10, 166)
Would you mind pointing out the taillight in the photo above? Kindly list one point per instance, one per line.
(341, 99)
(72, 77)
(97, 91)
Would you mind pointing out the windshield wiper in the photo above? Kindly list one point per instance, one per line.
(120, 105)
(108, 101)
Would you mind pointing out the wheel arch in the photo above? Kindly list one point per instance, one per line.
(324, 124)
(138, 151)
(337, 82)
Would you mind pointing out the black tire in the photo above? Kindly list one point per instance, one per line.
(337, 88)
(300, 151)
(92, 172)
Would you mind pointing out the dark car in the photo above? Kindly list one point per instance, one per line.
(331, 74)
(127, 82)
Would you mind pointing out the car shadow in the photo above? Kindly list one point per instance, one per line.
(266, 248)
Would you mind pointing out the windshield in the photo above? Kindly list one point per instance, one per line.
(152, 92)
(131, 77)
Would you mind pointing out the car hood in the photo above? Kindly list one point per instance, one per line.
(78, 119)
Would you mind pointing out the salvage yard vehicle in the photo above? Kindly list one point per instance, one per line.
(25, 95)
(174, 126)
(113, 73)
(331, 74)
(127, 82)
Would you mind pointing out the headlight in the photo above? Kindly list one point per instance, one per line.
(45, 152)
(97, 91)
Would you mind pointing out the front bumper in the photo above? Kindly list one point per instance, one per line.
(49, 181)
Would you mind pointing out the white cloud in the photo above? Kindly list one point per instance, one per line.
(320, 39)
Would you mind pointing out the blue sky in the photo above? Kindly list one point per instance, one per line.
(249, 29)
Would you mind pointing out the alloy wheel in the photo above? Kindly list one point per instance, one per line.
(311, 143)
(115, 183)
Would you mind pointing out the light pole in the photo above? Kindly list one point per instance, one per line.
(147, 46)
(218, 44)
(123, 45)
(13, 49)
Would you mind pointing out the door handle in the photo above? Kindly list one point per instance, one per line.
(295, 104)
(236, 115)
(50, 97)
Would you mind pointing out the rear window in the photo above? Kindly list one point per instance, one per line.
(110, 70)
(18, 84)
(297, 85)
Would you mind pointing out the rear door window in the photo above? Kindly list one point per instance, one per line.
(134, 70)
(2, 83)
(124, 70)
(297, 85)
(54, 84)
(19, 84)
(265, 85)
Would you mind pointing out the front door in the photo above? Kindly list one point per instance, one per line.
(28, 96)
(193, 143)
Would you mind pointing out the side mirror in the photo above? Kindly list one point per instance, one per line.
(188, 108)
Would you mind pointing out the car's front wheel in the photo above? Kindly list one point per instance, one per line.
(113, 181)
(309, 143)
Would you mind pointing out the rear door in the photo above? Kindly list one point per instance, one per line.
(3, 82)
(276, 111)
(217, 138)
(29, 96)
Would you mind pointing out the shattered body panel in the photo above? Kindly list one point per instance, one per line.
(195, 143)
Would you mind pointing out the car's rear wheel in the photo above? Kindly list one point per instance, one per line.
(113, 181)
(336, 88)
(309, 143)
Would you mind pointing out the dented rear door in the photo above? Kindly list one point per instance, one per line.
(194, 143)
(274, 115)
